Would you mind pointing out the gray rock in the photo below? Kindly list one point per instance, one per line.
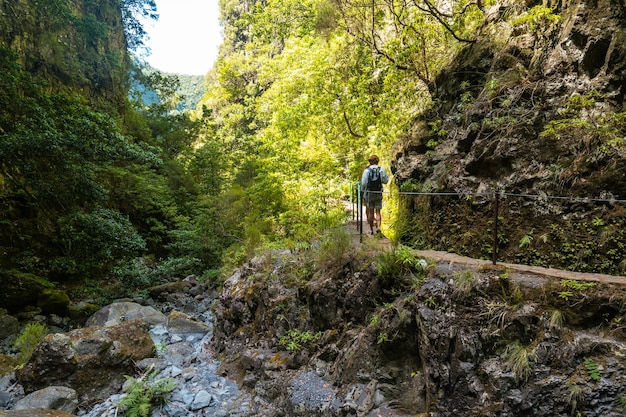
(181, 323)
(5, 398)
(118, 312)
(35, 412)
(92, 360)
(201, 400)
(53, 398)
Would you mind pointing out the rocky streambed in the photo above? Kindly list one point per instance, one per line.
(81, 372)
(295, 335)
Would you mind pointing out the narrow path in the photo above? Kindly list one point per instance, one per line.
(382, 243)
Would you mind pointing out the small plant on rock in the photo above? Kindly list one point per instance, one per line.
(397, 264)
(577, 285)
(536, 17)
(375, 321)
(144, 393)
(621, 402)
(592, 369)
(556, 319)
(575, 397)
(334, 246)
(28, 340)
(295, 338)
(526, 240)
(519, 358)
(464, 281)
(566, 295)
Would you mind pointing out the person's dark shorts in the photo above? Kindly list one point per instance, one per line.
(374, 200)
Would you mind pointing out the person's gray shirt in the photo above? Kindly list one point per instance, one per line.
(364, 178)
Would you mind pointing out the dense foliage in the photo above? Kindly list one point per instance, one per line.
(304, 92)
(92, 190)
(142, 190)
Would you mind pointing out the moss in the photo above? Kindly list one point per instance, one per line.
(53, 301)
(7, 364)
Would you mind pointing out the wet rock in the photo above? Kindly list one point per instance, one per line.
(82, 310)
(19, 289)
(311, 395)
(201, 400)
(7, 364)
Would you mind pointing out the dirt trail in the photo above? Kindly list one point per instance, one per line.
(383, 243)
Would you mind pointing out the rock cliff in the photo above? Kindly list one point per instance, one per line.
(76, 45)
(532, 110)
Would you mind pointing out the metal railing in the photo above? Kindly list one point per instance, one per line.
(506, 205)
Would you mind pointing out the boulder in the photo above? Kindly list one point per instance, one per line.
(158, 292)
(91, 360)
(116, 313)
(35, 413)
(53, 302)
(52, 398)
(180, 323)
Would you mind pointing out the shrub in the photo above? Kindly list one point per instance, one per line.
(95, 241)
(335, 245)
(519, 358)
(28, 340)
(464, 281)
(397, 264)
(295, 338)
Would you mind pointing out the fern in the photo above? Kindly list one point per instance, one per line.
(592, 369)
(526, 240)
(143, 393)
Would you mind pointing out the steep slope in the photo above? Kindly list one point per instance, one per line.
(534, 108)
(75, 45)
(360, 335)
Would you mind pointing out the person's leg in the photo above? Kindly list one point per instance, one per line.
(378, 219)
(369, 212)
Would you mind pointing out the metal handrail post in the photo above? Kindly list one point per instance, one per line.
(360, 210)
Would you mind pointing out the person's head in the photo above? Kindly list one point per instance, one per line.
(373, 160)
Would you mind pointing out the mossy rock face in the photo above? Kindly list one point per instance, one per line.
(7, 364)
(53, 301)
(20, 289)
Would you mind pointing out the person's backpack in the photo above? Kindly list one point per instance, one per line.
(374, 182)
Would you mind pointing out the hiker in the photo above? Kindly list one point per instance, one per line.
(372, 182)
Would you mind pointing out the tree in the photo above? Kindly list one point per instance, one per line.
(133, 12)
